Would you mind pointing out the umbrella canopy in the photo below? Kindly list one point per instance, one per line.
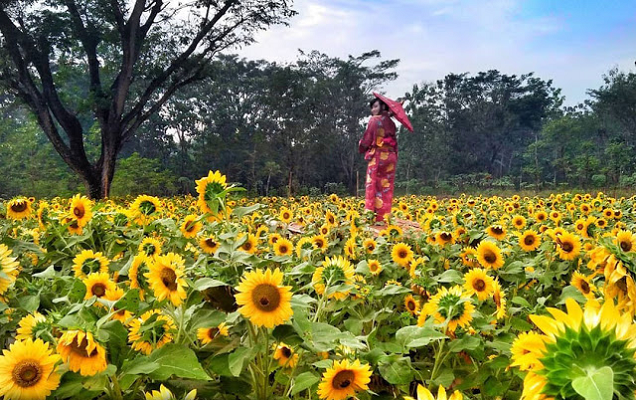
(397, 110)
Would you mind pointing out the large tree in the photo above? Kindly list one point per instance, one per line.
(109, 65)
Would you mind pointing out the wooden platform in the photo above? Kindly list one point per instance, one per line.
(410, 228)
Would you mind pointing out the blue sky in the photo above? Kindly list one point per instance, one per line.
(571, 42)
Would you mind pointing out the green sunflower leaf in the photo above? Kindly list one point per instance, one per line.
(596, 385)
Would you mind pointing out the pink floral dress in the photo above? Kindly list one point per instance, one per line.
(379, 144)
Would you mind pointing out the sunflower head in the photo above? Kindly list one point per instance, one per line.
(82, 353)
(151, 331)
(28, 370)
(343, 380)
(263, 300)
(478, 283)
(568, 246)
(285, 355)
(167, 278)
(334, 271)
(19, 208)
(283, 247)
(425, 394)
(489, 255)
(529, 240)
(449, 306)
(209, 244)
(80, 210)
(597, 343)
(402, 254)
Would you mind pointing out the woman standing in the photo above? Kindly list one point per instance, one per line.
(379, 144)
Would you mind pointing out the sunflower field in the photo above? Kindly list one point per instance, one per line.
(224, 297)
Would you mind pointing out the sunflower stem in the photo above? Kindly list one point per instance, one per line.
(117, 394)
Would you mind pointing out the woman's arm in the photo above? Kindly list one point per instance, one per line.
(369, 136)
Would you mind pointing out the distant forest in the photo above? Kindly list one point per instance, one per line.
(293, 128)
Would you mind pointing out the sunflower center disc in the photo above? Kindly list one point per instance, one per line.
(79, 212)
(626, 246)
(266, 297)
(210, 242)
(479, 285)
(402, 254)
(567, 247)
(27, 373)
(343, 379)
(212, 332)
(585, 287)
(19, 207)
(99, 289)
(169, 278)
(286, 352)
(529, 240)
(490, 257)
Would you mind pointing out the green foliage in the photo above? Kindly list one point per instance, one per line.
(137, 175)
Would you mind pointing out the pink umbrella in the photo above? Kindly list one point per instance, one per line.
(397, 110)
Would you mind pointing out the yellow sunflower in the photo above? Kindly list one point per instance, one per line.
(583, 284)
(285, 215)
(489, 255)
(283, 247)
(496, 231)
(138, 268)
(334, 271)
(88, 262)
(249, 246)
(209, 244)
(412, 305)
(285, 356)
(150, 247)
(114, 294)
(81, 210)
(479, 283)
(146, 209)
(402, 254)
(330, 220)
(166, 278)
(568, 246)
(190, 226)
(369, 245)
(350, 248)
(304, 246)
(449, 306)
(529, 240)
(519, 221)
(320, 242)
(598, 340)
(499, 297)
(165, 394)
(208, 188)
(425, 394)
(374, 267)
(28, 371)
(207, 335)
(30, 325)
(263, 300)
(151, 331)
(343, 380)
(19, 208)
(626, 241)
(9, 266)
(97, 284)
(82, 353)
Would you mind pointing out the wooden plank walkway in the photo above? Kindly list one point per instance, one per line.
(410, 228)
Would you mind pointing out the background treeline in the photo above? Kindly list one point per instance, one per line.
(277, 128)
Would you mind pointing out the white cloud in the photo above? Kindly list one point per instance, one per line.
(436, 37)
